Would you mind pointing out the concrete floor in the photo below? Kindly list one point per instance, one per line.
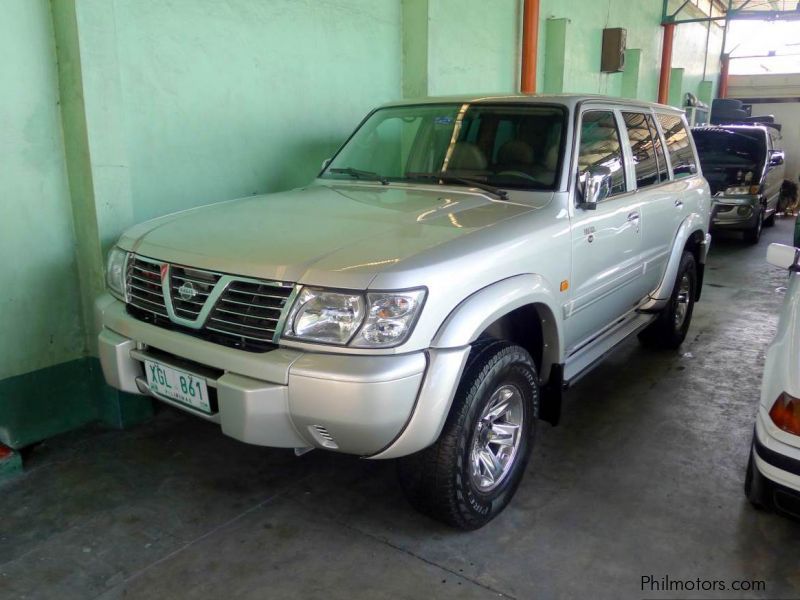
(644, 477)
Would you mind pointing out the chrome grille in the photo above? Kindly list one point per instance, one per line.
(250, 310)
(246, 313)
(144, 286)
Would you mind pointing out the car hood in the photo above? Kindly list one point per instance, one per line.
(326, 234)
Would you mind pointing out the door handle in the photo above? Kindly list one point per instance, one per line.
(678, 203)
(634, 216)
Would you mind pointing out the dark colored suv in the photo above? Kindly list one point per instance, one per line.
(744, 167)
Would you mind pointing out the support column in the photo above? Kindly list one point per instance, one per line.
(555, 54)
(676, 86)
(415, 48)
(102, 208)
(705, 91)
(666, 63)
(630, 76)
(530, 46)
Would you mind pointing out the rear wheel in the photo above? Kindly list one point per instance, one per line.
(770, 221)
(670, 327)
(470, 474)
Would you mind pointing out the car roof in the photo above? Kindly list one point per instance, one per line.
(569, 100)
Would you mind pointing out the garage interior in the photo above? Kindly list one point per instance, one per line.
(120, 111)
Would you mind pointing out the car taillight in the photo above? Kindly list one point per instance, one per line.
(785, 413)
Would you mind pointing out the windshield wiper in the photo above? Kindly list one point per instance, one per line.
(446, 178)
(358, 174)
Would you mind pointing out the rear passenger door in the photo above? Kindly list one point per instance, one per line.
(606, 241)
(660, 201)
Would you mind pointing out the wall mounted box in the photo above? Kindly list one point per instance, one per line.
(612, 57)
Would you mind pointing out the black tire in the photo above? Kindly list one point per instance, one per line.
(752, 236)
(755, 488)
(770, 221)
(725, 104)
(438, 480)
(666, 332)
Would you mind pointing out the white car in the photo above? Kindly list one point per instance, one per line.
(773, 471)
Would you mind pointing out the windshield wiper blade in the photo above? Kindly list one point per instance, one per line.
(446, 178)
(358, 174)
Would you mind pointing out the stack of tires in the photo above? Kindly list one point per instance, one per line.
(727, 110)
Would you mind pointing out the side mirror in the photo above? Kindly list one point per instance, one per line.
(776, 158)
(783, 256)
(325, 163)
(594, 186)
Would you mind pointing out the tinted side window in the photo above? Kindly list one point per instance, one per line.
(678, 146)
(640, 138)
(663, 171)
(600, 147)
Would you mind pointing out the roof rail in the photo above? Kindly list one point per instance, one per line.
(766, 121)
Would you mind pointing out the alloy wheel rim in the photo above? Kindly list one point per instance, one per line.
(682, 303)
(497, 438)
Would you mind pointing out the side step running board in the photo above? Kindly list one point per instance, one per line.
(580, 363)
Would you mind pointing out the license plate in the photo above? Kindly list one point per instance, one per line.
(177, 385)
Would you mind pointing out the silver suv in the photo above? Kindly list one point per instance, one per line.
(454, 267)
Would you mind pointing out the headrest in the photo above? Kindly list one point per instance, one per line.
(515, 152)
(467, 156)
(551, 159)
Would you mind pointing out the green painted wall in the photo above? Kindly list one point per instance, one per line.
(585, 23)
(473, 46)
(226, 99)
(688, 52)
(40, 312)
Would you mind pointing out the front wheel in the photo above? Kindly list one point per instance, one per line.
(752, 236)
(671, 326)
(469, 475)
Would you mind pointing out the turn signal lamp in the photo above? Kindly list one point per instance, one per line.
(785, 413)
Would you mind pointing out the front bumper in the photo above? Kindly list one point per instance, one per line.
(726, 212)
(356, 404)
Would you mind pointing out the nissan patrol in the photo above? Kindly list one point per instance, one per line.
(455, 266)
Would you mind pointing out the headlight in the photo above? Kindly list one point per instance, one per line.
(380, 320)
(390, 319)
(742, 190)
(321, 316)
(115, 272)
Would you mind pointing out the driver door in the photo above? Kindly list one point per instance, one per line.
(606, 239)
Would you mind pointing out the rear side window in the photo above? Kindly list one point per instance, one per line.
(678, 146)
(600, 147)
(642, 140)
(663, 171)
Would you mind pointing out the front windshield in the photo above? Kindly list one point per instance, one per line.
(504, 145)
